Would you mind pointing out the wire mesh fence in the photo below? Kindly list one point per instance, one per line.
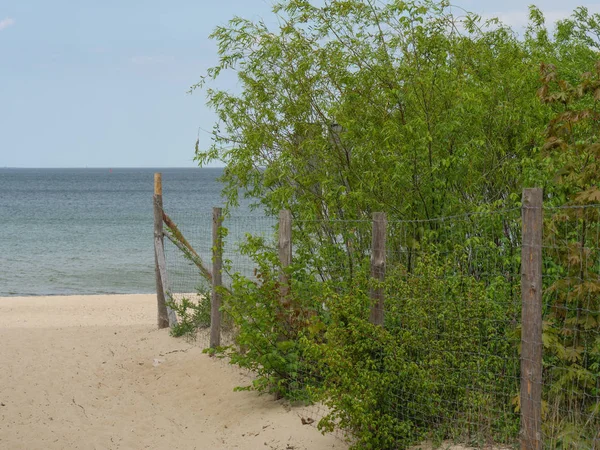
(453, 311)
(240, 229)
(189, 251)
(571, 330)
(189, 290)
(445, 363)
(442, 360)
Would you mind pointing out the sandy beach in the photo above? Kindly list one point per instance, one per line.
(93, 372)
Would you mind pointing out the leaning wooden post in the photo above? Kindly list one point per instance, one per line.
(217, 265)
(531, 320)
(378, 253)
(163, 318)
(285, 254)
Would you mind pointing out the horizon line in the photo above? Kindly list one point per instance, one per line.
(113, 167)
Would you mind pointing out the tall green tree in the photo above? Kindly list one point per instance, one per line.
(357, 106)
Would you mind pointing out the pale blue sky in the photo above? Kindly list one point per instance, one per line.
(103, 83)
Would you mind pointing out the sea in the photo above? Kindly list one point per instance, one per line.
(90, 231)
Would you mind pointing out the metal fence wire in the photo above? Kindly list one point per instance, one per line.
(402, 333)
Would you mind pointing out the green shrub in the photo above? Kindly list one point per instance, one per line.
(444, 367)
(269, 328)
(192, 315)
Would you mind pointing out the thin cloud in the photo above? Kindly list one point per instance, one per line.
(7, 22)
(520, 18)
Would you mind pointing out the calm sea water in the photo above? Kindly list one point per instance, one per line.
(90, 231)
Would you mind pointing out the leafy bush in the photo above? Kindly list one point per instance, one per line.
(444, 367)
(571, 334)
(269, 329)
(192, 315)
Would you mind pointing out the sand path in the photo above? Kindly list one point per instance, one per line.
(79, 372)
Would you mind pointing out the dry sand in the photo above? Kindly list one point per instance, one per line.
(93, 372)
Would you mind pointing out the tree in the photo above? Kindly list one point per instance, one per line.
(356, 106)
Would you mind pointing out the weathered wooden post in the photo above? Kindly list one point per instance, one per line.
(378, 254)
(285, 253)
(163, 318)
(217, 265)
(531, 320)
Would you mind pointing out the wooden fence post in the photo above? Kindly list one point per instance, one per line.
(285, 252)
(217, 265)
(378, 254)
(163, 318)
(531, 320)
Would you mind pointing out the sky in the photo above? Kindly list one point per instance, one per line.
(92, 83)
